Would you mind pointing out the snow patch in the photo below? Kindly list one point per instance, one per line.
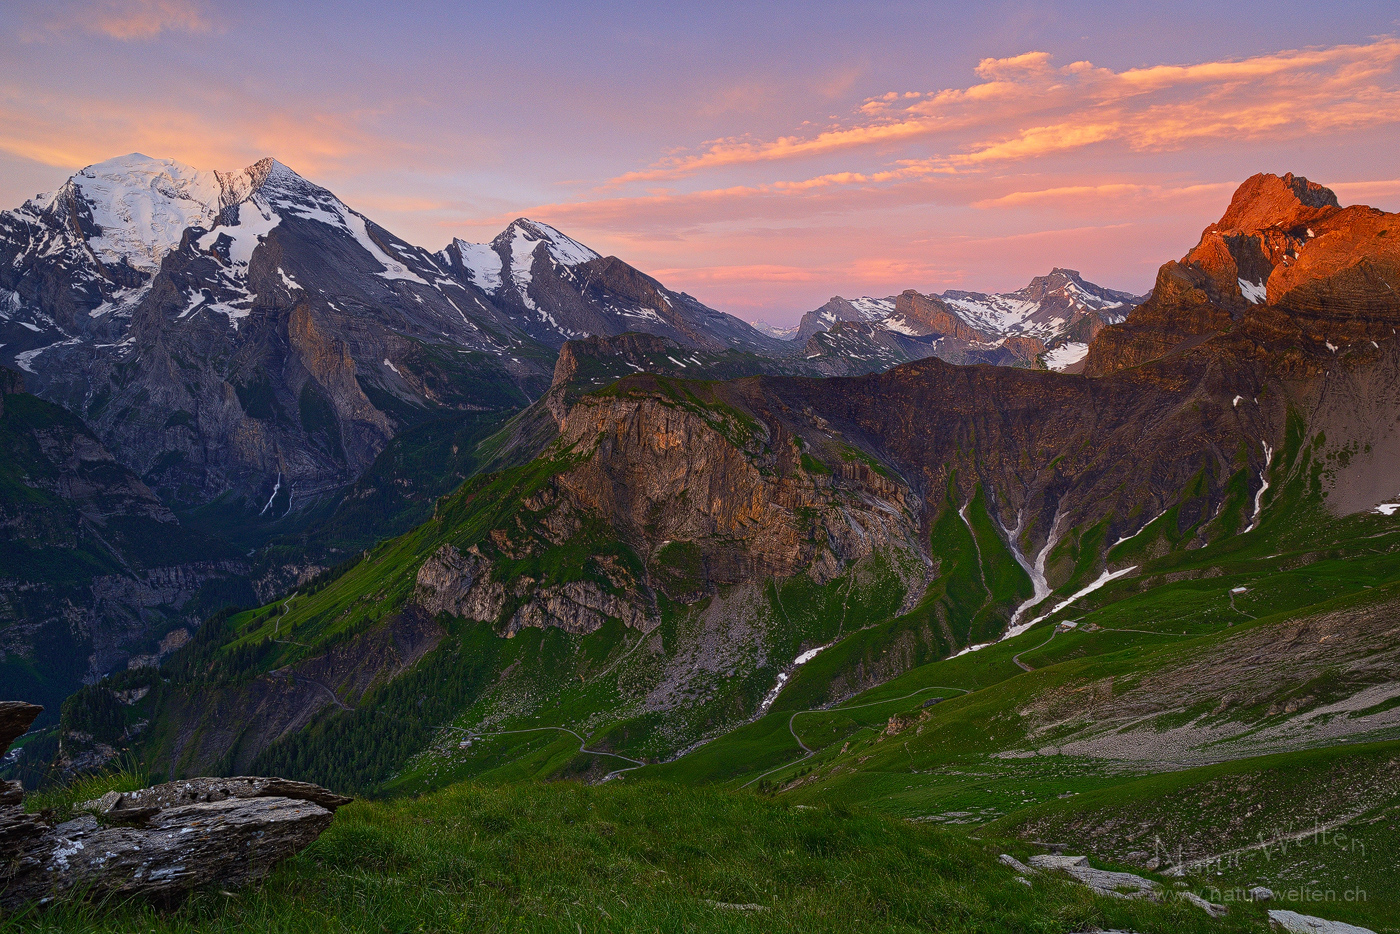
(900, 326)
(1264, 486)
(393, 269)
(1254, 292)
(1388, 509)
(784, 676)
(277, 486)
(482, 263)
(389, 363)
(1102, 579)
(1139, 531)
(1066, 355)
(1040, 587)
(256, 219)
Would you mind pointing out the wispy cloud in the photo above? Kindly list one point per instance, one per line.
(73, 131)
(125, 20)
(1026, 106)
(1070, 195)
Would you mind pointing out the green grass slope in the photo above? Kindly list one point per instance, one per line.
(565, 858)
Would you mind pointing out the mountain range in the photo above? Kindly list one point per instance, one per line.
(247, 339)
(530, 514)
(1051, 320)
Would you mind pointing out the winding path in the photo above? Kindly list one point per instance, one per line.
(809, 752)
(582, 745)
(1016, 659)
(312, 681)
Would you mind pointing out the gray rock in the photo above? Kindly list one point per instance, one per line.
(206, 790)
(160, 842)
(1210, 908)
(1261, 893)
(1294, 923)
(1102, 881)
(1006, 859)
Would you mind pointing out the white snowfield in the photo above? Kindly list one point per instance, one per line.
(1254, 292)
(1001, 313)
(142, 206)
(482, 262)
(1066, 355)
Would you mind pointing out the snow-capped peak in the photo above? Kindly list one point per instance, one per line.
(141, 206)
(523, 234)
(512, 253)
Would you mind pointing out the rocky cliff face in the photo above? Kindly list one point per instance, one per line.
(1286, 268)
(700, 469)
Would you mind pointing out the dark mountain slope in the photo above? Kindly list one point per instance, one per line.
(93, 568)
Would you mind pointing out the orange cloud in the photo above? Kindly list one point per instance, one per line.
(1113, 192)
(1025, 107)
(71, 132)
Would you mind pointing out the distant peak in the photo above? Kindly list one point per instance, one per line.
(565, 249)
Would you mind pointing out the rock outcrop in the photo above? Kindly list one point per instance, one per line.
(462, 585)
(158, 842)
(1102, 881)
(15, 719)
(1285, 266)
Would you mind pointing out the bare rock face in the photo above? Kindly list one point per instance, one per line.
(931, 315)
(462, 585)
(15, 718)
(160, 842)
(1284, 266)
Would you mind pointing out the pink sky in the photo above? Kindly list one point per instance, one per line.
(762, 160)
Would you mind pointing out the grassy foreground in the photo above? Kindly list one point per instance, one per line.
(564, 857)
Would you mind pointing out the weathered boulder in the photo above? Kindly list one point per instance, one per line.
(1210, 908)
(1294, 923)
(1102, 881)
(159, 842)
